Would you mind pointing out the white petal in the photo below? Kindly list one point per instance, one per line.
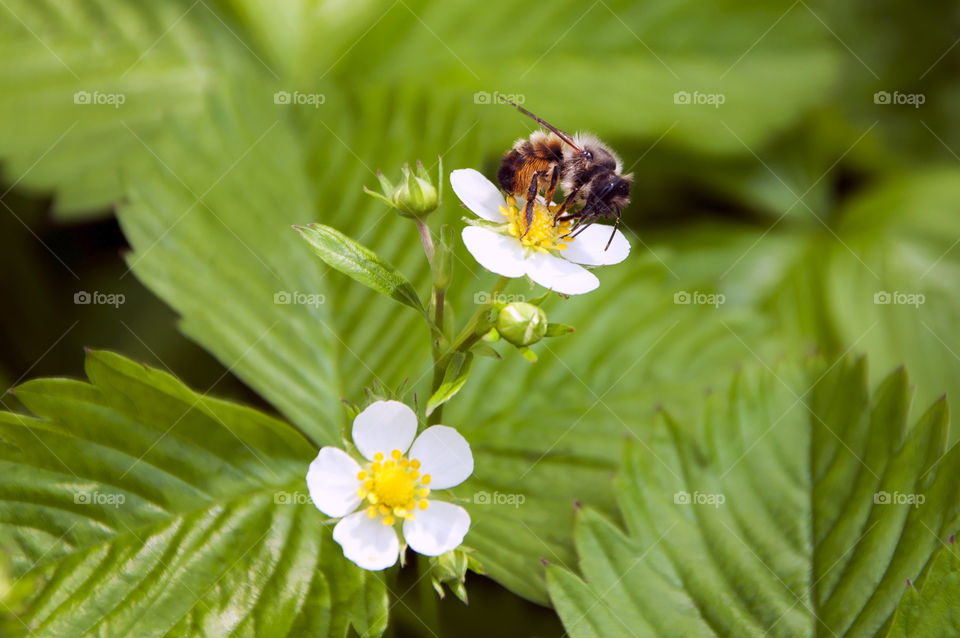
(478, 193)
(560, 275)
(438, 529)
(443, 454)
(367, 541)
(332, 482)
(588, 247)
(385, 426)
(495, 252)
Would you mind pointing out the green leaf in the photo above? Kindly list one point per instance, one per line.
(793, 510)
(453, 379)
(62, 126)
(215, 244)
(558, 330)
(147, 509)
(483, 350)
(931, 608)
(879, 284)
(361, 264)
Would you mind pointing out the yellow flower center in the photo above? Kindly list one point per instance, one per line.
(543, 234)
(393, 488)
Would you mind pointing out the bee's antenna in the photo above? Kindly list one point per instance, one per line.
(563, 136)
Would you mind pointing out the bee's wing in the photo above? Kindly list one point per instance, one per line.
(563, 136)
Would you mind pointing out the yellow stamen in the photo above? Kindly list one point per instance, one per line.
(393, 487)
(543, 234)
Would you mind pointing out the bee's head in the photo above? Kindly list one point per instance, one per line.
(608, 193)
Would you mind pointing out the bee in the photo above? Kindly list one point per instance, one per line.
(588, 172)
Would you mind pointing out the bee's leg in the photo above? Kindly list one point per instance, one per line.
(528, 208)
(580, 226)
(567, 203)
(554, 178)
(616, 224)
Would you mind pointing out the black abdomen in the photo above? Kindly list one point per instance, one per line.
(510, 168)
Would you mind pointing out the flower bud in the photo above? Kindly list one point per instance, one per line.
(450, 569)
(415, 196)
(521, 323)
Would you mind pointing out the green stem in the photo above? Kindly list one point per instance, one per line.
(469, 329)
(439, 300)
(467, 337)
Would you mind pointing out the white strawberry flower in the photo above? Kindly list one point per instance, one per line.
(544, 253)
(393, 486)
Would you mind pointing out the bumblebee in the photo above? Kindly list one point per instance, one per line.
(586, 170)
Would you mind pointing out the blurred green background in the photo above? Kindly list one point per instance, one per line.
(799, 158)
